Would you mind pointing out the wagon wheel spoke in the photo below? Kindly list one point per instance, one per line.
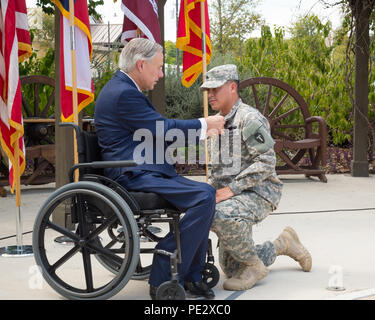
(36, 99)
(287, 160)
(39, 168)
(51, 98)
(298, 156)
(267, 106)
(257, 103)
(26, 107)
(274, 111)
(284, 126)
(281, 135)
(284, 115)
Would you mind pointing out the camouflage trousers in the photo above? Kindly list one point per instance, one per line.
(233, 222)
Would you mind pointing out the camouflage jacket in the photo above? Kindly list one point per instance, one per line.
(243, 157)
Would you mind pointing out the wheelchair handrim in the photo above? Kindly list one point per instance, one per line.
(120, 209)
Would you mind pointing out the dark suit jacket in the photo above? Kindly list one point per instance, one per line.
(121, 109)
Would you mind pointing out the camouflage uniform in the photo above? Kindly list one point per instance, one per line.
(244, 160)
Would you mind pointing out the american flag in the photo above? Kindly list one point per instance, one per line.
(15, 46)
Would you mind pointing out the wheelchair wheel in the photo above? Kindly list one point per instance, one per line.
(70, 270)
(144, 266)
(170, 290)
(142, 270)
(210, 275)
(117, 237)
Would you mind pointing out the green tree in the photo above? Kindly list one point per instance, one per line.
(359, 23)
(48, 7)
(232, 21)
(170, 52)
(43, 28)
(308, 63)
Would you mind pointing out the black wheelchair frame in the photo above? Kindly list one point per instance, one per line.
(105, 221)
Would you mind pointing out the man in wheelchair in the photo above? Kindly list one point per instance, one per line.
(123, 114)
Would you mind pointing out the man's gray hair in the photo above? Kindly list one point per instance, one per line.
(137, 49)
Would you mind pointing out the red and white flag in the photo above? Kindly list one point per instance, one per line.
(15, 46)
(83, 42)
(141, 20)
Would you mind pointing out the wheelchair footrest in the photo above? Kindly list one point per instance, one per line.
(166, 253)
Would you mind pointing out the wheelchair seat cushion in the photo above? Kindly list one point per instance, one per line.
(151, 201)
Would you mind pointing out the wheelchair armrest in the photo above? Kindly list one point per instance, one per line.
(100, 164)
(112, 164)
(71, 124)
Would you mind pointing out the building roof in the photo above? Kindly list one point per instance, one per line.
(104, 34)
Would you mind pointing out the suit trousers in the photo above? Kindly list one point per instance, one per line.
(197, 200)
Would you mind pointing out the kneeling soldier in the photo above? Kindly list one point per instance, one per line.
(242, 170)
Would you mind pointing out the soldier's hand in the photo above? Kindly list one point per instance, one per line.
(223, 194)
(215, 125)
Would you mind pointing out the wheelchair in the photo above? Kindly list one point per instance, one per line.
(110, 231)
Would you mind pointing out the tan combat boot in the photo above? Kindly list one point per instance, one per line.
(288, 244)
(247, 275)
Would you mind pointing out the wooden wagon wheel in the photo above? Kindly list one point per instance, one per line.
(38, 93)
(300, 140)
(39, 118)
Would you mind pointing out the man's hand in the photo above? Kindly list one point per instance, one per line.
(215, 125)
(223, 194)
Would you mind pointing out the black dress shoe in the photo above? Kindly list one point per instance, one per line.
(153, 292)
(199, 289)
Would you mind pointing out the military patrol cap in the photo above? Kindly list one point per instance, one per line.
(217, 76)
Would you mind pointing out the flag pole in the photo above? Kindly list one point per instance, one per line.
(64, 239)
(74, 81)
(204, 71)
(19, 250)
(17, 178)
(22, 250)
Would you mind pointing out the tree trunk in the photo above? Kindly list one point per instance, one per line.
(157, 95)
(361, 11)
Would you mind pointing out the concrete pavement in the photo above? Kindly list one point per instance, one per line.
(334, 220)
